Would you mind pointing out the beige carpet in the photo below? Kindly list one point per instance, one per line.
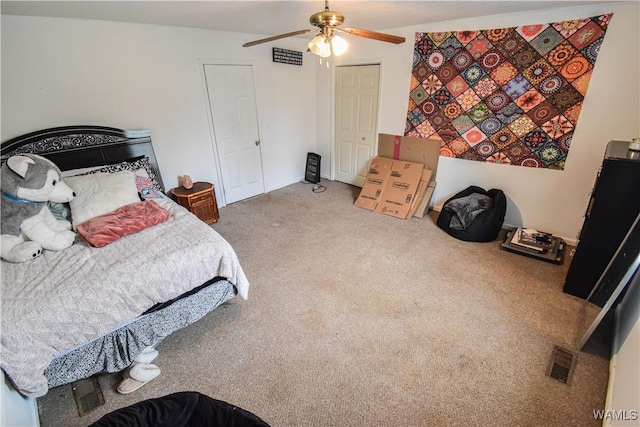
(359, 319)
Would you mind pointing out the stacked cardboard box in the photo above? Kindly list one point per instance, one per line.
(401, 179)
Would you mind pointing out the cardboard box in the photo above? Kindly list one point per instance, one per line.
(418, 150)
(400, 189)
(377, 177)
(423, 206)
(420, 192)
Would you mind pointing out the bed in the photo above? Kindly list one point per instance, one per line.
(70, 314)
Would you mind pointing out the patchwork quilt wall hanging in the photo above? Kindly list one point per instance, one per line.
(506, 95)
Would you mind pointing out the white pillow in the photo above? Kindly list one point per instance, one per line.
(101, 193)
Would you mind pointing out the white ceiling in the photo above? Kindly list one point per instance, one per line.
(276, 17)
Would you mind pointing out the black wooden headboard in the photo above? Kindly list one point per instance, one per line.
(73, 147)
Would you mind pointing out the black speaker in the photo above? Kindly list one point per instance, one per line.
(312, 173)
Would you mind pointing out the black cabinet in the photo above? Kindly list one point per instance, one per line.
(612, 210)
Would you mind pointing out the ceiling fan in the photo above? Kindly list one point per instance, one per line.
(327, 42)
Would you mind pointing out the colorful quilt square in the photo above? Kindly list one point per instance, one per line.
(517, 86)
(474, 136)
(550, 154)
(567, 28)
(551, 84)
(486, 148)
(463, 123)
(457, 86)
(511, 43)
(459, 146)
(468, 99)
(462, 60)
(586, 35)
(546, 40)
(524, 58)
(538, 71)
(491, 59)
(509, 113)
(503, 138)
(575, 67)
(479, 112)
(485, 87)
(446, 73)
(561, 54)
(448, 132)
(516, 151)
(522, 125)
(504, 73)
(498, 158)
(439, 37)
(536, 138)
(529, 99)
(530, 32)
(497, 101)
(490, 125)
(452, 110)
(479, 46)
(473, 74)
(543, 112)
(557, 126)
(466, 37)
(431, 84)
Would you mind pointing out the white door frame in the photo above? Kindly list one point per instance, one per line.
(222, 200)
(333, 148)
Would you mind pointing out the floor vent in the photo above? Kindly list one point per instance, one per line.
(87, 394)
(562, 364)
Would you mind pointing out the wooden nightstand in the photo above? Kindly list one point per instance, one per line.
(200, 200)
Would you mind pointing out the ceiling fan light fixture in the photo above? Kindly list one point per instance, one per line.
(325, 46)
(320, 46)
(338, 45)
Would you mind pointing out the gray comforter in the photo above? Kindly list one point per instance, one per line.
(65, 299)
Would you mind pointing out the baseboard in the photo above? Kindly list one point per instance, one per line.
(282, 185)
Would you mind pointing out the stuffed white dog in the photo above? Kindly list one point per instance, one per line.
(28, 182)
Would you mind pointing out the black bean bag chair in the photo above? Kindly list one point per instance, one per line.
(474, 215)
(183, 409)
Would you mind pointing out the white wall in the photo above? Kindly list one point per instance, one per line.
(550, 200)
(58, 72)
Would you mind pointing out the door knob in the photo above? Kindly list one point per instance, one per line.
(257, 142)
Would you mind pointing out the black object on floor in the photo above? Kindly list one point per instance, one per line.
(183, 409)
(485, 224)
(553, 255)
(312, 173)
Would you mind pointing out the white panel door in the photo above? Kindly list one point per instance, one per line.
(232, 103)
(356, 121)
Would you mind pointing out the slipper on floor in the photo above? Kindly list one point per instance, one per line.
(148, 355)
(138, 375)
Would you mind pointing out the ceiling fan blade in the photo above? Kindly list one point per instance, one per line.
(280, 36)
(389, 38)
